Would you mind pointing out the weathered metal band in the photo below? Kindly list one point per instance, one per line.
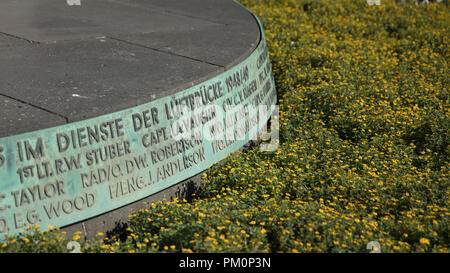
(65, 174)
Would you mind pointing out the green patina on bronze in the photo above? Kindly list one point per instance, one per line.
(65, 174)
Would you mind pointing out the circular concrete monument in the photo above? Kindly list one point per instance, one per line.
(106, 103)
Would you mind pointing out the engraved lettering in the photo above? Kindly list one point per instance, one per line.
(4, 207)
(29, 151)
(101, 175)
(38, 192)
(89, 135)
(125, 187)
(68, 206)
(145, 119)
(107, 152)
(3, 225)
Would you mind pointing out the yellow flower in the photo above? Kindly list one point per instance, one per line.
(76, 237)
(263, 231)
(424, 241)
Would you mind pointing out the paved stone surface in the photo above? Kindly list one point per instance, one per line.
(220, 49)
(65, 63)
(83, 79)
(221, 11)
(7, 41)
(30, 117)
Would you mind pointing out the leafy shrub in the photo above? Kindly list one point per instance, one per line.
(363, 94)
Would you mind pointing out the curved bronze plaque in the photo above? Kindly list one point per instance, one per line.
(65, 174)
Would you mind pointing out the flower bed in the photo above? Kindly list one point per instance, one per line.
(363, 154)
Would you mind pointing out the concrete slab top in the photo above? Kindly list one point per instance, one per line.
(62, 63)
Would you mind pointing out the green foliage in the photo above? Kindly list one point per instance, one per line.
(363, 94)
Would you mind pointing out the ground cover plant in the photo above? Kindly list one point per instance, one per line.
(363, 155)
